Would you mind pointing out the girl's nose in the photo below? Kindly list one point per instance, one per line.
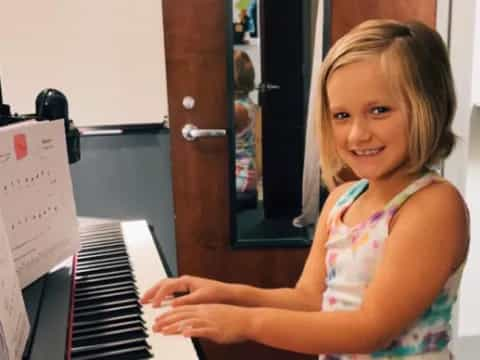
(359, 131)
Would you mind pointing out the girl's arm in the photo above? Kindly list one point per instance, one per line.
(426, 245)
(308, 292)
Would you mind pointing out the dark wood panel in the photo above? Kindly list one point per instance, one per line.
(346, 14)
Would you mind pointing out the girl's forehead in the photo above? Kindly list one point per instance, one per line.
(364, 80)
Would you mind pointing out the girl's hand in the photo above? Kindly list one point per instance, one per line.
(222, 324)
(198, 291)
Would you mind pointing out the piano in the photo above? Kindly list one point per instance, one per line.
(87, 307)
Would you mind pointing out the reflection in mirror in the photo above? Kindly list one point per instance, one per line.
(270, 96)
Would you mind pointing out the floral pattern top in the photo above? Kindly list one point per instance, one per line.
(245, 169)
(352, 256)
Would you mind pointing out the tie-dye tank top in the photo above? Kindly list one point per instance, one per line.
(245, 169)
(352, 256)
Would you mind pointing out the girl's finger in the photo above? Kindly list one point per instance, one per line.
(193, 298)
(184, 325)
(201, 332)
(147, 296)
(167, 289)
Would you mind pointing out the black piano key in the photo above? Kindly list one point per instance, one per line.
(125, 324)
(103, 255)
(110, 274)
(108, 245)
(98, 305)
(134, 353)
(94, 292)
(90, 254)
(83, 324)
(120, 295)
(88, 263)
(113, 274)
(109, 336)
(108, 313)
(86, 290)
(105, 268)
(119, 259)
(109, 346)
(87, 282)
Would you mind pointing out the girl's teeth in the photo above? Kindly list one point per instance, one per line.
(367, 152)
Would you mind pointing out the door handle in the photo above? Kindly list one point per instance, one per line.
(264, 87)
(190, 132)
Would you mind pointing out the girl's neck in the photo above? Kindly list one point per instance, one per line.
(383, 190)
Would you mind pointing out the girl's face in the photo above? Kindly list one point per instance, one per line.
(369, 121)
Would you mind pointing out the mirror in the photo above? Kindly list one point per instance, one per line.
(272, 56)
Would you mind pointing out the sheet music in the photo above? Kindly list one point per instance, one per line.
(14, 326)
(36, 197)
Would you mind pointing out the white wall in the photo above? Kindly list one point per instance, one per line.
(476, 59)
(462, 168)
(106, 56)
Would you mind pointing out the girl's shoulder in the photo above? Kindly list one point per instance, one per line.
(437, 198)
(440, 195)
(435, 210)
(338, 196)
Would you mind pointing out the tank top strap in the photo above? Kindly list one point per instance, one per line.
(346, 199)
(393, 205)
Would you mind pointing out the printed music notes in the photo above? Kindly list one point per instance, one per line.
(14, 326)
(36, 197)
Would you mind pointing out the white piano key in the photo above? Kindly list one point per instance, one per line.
(148, 269)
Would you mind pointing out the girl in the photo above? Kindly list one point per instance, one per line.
(244, 122)
(384, 269)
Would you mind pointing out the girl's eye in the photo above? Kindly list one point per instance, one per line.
(340, 115)
(379, 110)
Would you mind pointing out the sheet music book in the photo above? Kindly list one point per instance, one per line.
(14, 325)
(36, 197)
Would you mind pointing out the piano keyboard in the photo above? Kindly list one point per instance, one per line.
(118, 262)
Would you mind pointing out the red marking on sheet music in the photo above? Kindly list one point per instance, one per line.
(20, 143)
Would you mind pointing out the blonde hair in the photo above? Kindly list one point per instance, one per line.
(243, 73)
(415, 60)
